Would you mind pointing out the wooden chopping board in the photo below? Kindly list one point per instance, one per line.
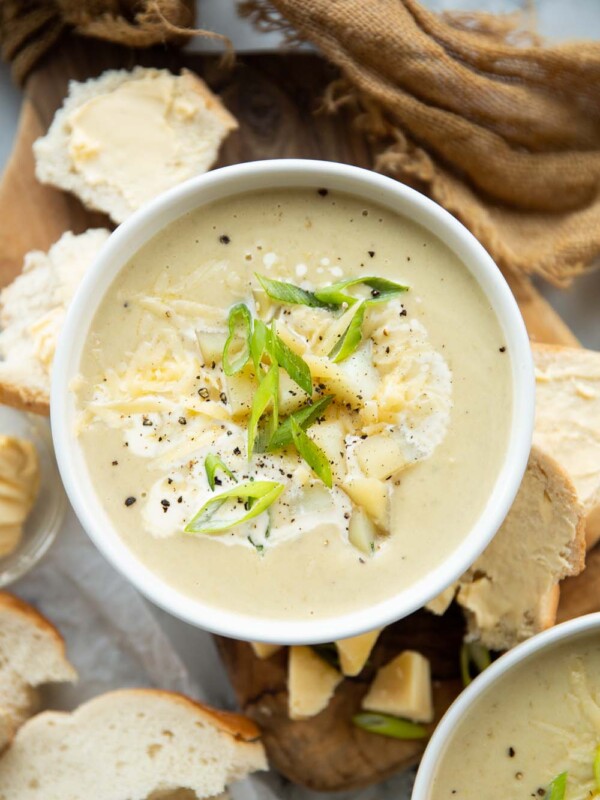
(274, 98)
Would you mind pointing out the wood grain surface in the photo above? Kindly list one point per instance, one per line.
(275, 99)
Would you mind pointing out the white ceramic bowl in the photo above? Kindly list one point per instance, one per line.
(543, 642)
(144, 224)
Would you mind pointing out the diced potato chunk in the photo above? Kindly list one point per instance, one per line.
(380, 456)
(330, 437)
(311, 683)
(240, 392)
(211, 345)
(361, 532)
(264, 649)
(352, 381)
(372, 495)
(355, 651)
(403, 688)
(291, 396)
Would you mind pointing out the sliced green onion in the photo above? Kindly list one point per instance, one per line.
(558, 787)
(264, 494)
(476, 654)
(260, 548)
(267, 393)
(240, 329)
(352, 336)
(288, 293)
(311, 453)
(295, 366)
(381, 290)
(211, 464)
(386, 725)
(258, 343)
(597, 767)
(304, 416)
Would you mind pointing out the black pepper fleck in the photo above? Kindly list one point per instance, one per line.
(371, 253)
(224, 239)
(130, 501)
(502, 349)
(182, 421)
(511, 752)
(115, 463)
(204, 393)
(223, 398)
(323, 192)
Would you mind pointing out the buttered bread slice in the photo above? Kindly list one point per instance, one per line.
(567, 420)
(123, 138)
(511, 592)
(32, 311)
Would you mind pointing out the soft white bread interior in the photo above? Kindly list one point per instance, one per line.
(32, 311)
(124, 137)
(32, 653)
(567, 421)
(130, 745)
(544, 533)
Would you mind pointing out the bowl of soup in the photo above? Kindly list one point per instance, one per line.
(529, 726)
(292, 401)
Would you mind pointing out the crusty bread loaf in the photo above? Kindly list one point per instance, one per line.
(511, 591)
(182, 106)
(130, 745)
(32, 310)
(32, 653)
(567, 422)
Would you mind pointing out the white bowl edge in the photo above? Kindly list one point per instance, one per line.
(144, 224)
(574, 628)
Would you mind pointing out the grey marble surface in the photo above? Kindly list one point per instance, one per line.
(579, 306)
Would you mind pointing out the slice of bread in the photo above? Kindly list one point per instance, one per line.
(131, 744)
(154, 131)
(32, 310)
(32, 653)
(511, 591)
(567, 422)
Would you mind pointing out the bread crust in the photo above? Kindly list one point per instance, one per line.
(235, 725)
(14, 605)
(24, 398)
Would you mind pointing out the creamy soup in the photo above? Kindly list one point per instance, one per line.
(393, 388)
(540, 721)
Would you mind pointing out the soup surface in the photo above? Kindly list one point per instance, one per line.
(538, 722)
(408, 376)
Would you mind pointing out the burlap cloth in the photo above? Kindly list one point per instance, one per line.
(503, 133)
(29, 28)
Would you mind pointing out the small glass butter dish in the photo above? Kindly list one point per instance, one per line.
(47, 513)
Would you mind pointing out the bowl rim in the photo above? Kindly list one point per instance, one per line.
(571, 629)
(235, 180)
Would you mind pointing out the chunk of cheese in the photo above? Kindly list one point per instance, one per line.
(355, 651)
(264, 649)
(311, 683)
(403, 688)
